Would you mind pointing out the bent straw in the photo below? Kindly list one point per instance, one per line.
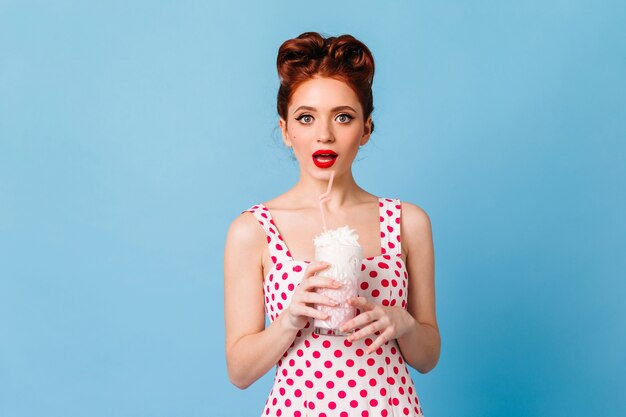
(326, 197)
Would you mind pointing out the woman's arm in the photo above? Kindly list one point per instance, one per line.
(421, 344)
(416, 327)
(252, 349)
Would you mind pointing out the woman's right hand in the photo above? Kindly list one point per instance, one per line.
(301, 308)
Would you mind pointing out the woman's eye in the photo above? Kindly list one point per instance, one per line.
(305, 118)
(344, 118)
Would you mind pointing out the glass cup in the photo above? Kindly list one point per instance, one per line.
(345, 266)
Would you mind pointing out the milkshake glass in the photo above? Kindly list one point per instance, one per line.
(340, 248)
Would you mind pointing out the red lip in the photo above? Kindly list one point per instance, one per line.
(327, 153)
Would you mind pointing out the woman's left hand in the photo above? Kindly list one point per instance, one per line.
(391, 322)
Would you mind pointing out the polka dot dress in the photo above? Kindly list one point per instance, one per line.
(326, 376)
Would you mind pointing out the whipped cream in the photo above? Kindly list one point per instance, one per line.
(340, 236)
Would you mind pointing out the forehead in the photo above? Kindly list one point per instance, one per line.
(324, 93)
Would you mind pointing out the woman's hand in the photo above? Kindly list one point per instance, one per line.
(391, 322)
(300, 309)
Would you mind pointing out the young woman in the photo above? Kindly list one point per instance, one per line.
(325, 105)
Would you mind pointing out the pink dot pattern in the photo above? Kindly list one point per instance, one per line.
(327, 376)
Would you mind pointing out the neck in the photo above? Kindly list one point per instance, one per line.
(344, 190)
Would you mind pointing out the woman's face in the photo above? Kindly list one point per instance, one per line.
(325, 126)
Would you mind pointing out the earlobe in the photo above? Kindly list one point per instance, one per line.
(283, 129)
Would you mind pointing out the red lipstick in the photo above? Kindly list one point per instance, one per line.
(324, 158)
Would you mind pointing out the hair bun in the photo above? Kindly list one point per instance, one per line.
(353, 55)
(297, 54)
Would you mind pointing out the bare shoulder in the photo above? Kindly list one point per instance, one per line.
(416, 225)
(245, 233)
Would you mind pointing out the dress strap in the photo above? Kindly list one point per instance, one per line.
(390, 211)
(277, 247)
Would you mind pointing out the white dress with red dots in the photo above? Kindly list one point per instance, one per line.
(326, 376)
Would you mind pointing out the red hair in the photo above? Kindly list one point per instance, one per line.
(344, 58)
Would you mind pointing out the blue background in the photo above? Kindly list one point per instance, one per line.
(132, 133)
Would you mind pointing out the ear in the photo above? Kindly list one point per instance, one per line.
(367, 131)
(283, 128)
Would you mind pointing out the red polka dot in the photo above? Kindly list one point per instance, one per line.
(364, 285)
(326, 343)
(328, 364)
(361, 372)
(363, 393)
(373, 274)
(352, 383)
(354, 403)
(332, 405)
(373, 402)
(338, 353)
(297, 268)
(341, 394)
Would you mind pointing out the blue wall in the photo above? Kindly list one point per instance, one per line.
(132, 134)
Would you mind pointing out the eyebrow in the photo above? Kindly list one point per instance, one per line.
(333, 109)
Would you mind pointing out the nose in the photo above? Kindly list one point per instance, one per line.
(325, 133)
